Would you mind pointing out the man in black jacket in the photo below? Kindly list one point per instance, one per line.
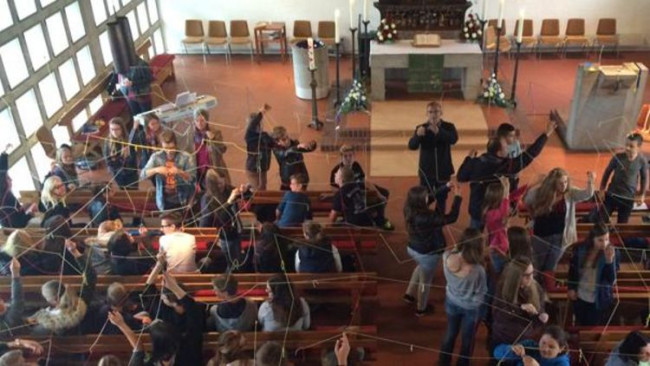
(434, 139)
(485, 169)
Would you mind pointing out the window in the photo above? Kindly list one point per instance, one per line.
(61, 135)
(10, 134)
(45, 3)
(25, 8)
(35, 41)
(96, 104)
(5, 15)
(142, 17)
(113, 6)
(153, 11)
(22, 177)
(106, 48)
(158, 42)
(85, 61)
(133, 24)
(14, 63)
(75, 22)
(79, 120)
(29, 112)
(56, 30)
(2, 91)
(50, 95)
(41, 160)
(69, 79)
(124, 2)
(99, 11)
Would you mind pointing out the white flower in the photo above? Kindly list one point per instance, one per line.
(394, 31)
(465, 30)
(393, 26)
(383, 21)
(379, 33)
(479, 32)
(502, 95)
(380, 37)
(466, 35)
(473, 35)
(486, 94)
(390, 36)
(363, 98)
(386, 27)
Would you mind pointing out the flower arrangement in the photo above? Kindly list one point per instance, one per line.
(356, 100)
(472, 28)
(387, 30)
(493, 93)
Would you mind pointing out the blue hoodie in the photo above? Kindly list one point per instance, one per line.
(503, 352)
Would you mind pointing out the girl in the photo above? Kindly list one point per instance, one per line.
(258, 146)
(120, 155)
(64, 168)
(148, 137)
(230, 350)
(53, 199)
(592, 274)
(288, 154)
(519, 243)
(426, 242)
(552, 206)
(634, 350)
(518, 311)
(550, 351)
(317, 255)
(496, 209)
(209, 147)
(282, 310)
(464, 294)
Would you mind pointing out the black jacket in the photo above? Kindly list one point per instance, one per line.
(291, 161)
(486, 169)
(425, 236)
(435, 152)
(258, 147)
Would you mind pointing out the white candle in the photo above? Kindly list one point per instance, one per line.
(520, 31)
(353, 24)
(365, 10)
(484, 10)
(501, 3)
(337, 35)
(310, 53)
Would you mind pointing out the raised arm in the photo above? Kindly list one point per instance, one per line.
(416, 139)
(89, 276)
(608, 171)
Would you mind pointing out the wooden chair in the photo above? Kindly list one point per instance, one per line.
(550, 35)
(528, 40)
(606, 34)
(193, 34)
(493, 24)
(575, 34)
(326, 32)
(217, 36)
(491, 41)
(47, 141)
(240, 35)
(301, 30)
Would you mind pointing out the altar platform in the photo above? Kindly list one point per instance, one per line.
(466, 57)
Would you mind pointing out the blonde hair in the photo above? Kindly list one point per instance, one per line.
(17, 243)
(108, 226)
(47, 193)
(547, 191)
(71, 308)
(510, 284)
(346, 149)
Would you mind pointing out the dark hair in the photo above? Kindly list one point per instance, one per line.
(267, 248)
(286, 307)
(504, 129)
(168, 137)
(270, 354)
(558, 334)
(226, 283)
(494, 195)
(631, 345)
(165, 341)
(494, 145)
(300, 178)
(119, 244)
(599, 229)
(172, 219)
(636, 137)
(470, 246)
(415, 204)
(519, 244)
(57, 227)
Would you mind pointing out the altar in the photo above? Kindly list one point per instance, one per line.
(452, 54)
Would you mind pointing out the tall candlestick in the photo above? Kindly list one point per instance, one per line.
(310, 53)
(484, 10)
(520, 30)
(352, 12)
(365, 10)
(501, 3)
(337, 35)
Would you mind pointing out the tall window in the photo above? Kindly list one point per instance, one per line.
(9, 134)
(36, 46)
(75, 22)
(14, 62)
(50, 95)
(58, 37)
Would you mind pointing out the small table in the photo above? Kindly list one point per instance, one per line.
(271, 32)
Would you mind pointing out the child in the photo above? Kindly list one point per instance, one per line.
(295, 207)
(120, 157)
(508, 133)
(496, 205)
(317, 255)
(288, 153)
(519, 244)
(630, 168)
(550, 351)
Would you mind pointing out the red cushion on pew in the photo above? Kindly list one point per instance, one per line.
(204, 293)
(246, 243)
(160, 61)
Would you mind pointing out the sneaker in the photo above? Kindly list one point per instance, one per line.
(388, 226)
(428, 310)
(408, 299)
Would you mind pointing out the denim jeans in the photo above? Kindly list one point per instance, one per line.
(463, 321)
(422, 276)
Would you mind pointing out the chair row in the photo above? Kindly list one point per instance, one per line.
(239, 34)
(549, 36)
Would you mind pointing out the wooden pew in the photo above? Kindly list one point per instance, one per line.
(310, 341)
(582, 208)
(596, 343)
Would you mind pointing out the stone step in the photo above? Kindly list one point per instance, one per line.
(408, 133)
(465, 143)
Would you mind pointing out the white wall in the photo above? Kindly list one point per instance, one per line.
(632, 24)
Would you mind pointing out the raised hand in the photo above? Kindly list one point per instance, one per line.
(519, 350)
(550, 127)
(116, 318)
(610, 254)
(421, 131)
(529, 308)
(591, 176)
(14, 267)
(342, 350)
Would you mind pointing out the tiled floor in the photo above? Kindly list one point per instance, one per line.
(243, 86)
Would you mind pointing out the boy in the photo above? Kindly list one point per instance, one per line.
(629, 168)
(295, 207)
(288, 153)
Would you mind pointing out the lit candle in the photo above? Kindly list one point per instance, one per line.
(352, 8)
(337, 35)
(484, 10)
(501, 3)
(520, 30)
(310, 53)
(365, 10)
